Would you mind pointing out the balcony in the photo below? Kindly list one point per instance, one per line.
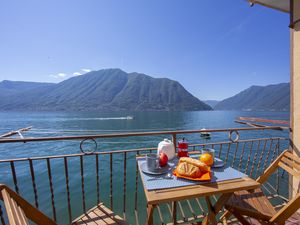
(65, 186)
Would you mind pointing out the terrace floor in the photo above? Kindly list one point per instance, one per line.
(99, 215)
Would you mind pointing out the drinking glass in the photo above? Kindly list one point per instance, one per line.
(209, 151)
(152, 161)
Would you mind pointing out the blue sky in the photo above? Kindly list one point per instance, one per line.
(213, 48)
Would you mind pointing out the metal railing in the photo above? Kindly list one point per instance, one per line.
(65, 186)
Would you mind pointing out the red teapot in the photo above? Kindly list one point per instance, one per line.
(183, 146)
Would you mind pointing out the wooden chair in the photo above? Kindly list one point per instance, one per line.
(256, 205)
(19, 212)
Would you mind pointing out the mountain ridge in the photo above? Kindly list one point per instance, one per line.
(211, 103)
(259, 98)
(105, 90)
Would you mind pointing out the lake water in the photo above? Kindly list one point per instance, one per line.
(76, 123)
(83, 123)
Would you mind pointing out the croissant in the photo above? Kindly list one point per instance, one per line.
(202, 166)
(188, 170)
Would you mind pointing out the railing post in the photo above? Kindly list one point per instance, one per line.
(33, 183)
(111, 181)
(124, 184)
(136, 190)
(13, 171)
(68, 189)
(255, 156)
(1, 216)
(174, 140)
(51, 189)
(97, 179)
(82, 184)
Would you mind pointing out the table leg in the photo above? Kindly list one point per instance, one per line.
(213, 210)
(225, 216)
(174, 212)
(150, 210)
(211, 217)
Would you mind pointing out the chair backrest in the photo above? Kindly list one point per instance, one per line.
(291, 164)
(19, 210)
(15, 214)
(287, 161)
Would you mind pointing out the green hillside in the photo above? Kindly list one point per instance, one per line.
(105, 90)
(259, 98)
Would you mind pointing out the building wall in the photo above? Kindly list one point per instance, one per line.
(295, 87)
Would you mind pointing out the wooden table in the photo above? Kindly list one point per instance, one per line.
(225, 188)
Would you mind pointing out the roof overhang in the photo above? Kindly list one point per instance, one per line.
(282, 5)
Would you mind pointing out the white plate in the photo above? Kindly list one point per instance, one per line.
(160, 171)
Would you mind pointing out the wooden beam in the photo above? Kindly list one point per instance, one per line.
(250, 124)
(281, 5)
(11, 133)
(295, 85)
(255, 119)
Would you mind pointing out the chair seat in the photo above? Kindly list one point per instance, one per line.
(293, 220)
(254, 204)
(99, 215)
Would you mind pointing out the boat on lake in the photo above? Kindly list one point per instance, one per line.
(204, 133)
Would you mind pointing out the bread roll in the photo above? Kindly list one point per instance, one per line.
(188, 170)
(202, 166)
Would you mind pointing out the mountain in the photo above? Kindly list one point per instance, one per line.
(105, 90)
(211, 103)
(8, 88)
(274, 97)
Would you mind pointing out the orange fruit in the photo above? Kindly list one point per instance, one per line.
(207, 159)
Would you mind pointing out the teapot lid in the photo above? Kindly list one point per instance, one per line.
(166, 141)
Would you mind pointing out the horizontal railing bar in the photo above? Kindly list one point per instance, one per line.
(115, 135)
(75, 155)
(132, 150)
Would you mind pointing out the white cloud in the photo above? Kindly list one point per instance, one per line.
(77, 74)
(86, 70)
(61, 74)
(65, 75)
